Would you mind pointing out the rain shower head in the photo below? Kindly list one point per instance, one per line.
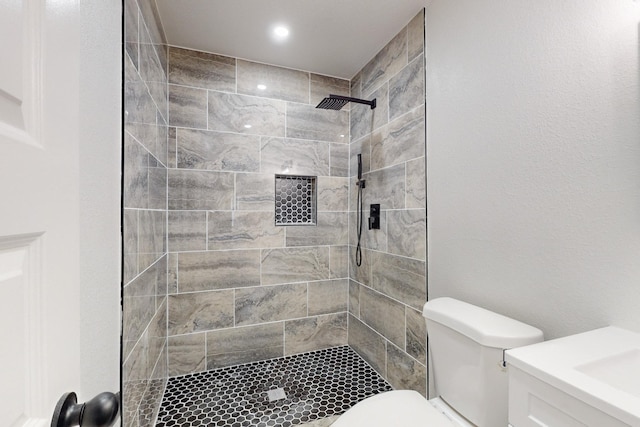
(336, 102)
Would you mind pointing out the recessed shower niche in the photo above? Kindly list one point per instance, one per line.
(295, 200)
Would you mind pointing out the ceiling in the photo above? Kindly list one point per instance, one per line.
(331, 37)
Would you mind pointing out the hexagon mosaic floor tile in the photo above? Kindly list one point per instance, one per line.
(283, 392)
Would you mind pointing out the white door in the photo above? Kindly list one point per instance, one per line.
(45, 348)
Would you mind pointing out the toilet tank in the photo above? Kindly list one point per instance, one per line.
(466, 345)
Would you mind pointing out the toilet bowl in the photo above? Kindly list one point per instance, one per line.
(406, 408)
(466, 352)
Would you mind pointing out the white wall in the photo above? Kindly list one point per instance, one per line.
(533, 152)
(99, 167)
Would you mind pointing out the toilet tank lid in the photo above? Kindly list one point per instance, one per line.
(483, 326)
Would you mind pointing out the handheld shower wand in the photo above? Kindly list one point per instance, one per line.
(361, 185)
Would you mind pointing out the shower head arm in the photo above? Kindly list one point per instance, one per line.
(371, 103)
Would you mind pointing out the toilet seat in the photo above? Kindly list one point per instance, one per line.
(405, 408)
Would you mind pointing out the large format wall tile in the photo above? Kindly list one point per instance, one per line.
(327, 296)
(401, 278)
(187, 231)
(255, 192)
(339, 261)
(308, 122)
(270, 303)
(385, 186)
(315, 333)
(371, 346)
(294, 156)
(194, 189)
(203, 70)
(243, 230)
(384, 315)
(339, 159)
(404, 372)
(391, 59)
(200, 271)
(331, 229)
(200, 311)
(219, 151)
(187, 354)
(246, 114)
(416, 184)
(245, 344)
(415, 36)
(289, 265)
(403, 226)
(187, 107)
(416, 335)
(406, 89)
(333, 194)
(401, 140)
(279, 83)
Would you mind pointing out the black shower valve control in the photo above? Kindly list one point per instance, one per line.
(374, 216)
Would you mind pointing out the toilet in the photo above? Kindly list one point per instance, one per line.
(466, 349)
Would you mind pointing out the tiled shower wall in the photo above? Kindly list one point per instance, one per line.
(240, 288)
(387, 292)
(144, 333)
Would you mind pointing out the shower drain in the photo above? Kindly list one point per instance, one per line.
(276, 394)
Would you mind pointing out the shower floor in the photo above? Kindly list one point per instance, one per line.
(292, 390)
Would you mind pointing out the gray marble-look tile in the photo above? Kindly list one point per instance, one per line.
(172, 273)
(370, 345)
(415, 36)
(391, 59)
(363, 147)
(354, 298)
(270, 303)
(243, 230)
(131, 38)
(331, 229)
(130, 244)
(407, 233)
(401, 278)
(246, 114)
(151, 19)
(187, 107)
(315, 333)
(136, 174)
(374, 239)
(323, 86)
(187, 354)
(147, 134)
(405, 373)
(219, 151)
(152, 72)
(199, 271)
(255, 192)
(162, 144)
(401, 140)
(275, 82)
(201, 69)
(384, 315)
(307, 122)
(138, 105)
(228, 347)
(294, 156)
(386, 186)
(416, 184)
(339, 261)
(200, 311)
(364, 120)
(157, 185)
(157, 333)
(406, 89)
(356, 85)
(161, 281)
(288, 265)
(328, 296)
(152, 233)
(360, 273)
(339, 159)
(187, 231)
(416, 335)
(172, 149)
(333, 194)
(195, 189)
(138, 305)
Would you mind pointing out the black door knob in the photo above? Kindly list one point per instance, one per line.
(101, 411)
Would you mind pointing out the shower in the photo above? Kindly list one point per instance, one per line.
(336, 102)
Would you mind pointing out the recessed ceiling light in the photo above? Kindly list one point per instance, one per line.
(281, 32)
(247, 126)
(262, 87)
